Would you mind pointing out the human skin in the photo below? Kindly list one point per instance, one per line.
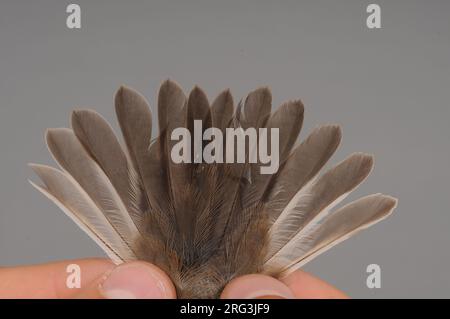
(101, 279)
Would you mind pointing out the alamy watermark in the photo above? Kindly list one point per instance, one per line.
(374, 278)
(73, 280)
(240, 145)
(73, 20)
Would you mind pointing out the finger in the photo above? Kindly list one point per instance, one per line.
(134, 280)
(306, 286)
(256, 287)
(48, 280)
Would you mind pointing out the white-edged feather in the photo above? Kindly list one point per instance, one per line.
(73, 159)
(319, 196)
(67, 194)
(326, 231)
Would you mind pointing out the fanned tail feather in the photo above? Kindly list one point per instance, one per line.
(205, 221)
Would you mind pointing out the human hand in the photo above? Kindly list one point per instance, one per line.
(101, 279)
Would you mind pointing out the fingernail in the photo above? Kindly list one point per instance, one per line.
(257, 287)
(135, 280)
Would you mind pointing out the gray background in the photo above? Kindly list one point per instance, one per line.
(388, 88)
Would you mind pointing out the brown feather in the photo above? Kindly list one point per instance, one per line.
(206, 223)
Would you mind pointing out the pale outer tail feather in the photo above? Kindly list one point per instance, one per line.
(65, 192)
(73, 159)
(329, 230)
(308, 202)
(304, 163)
(98, 137)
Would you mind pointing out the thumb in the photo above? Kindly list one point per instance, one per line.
(134, 280)
(256, 286)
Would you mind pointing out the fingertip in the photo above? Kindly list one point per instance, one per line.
(307, 286)
(256, 286)
(137, 280)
